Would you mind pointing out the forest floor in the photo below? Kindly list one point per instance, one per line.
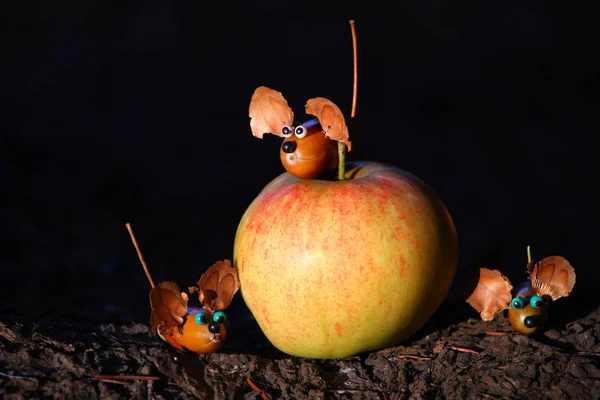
(70, 358)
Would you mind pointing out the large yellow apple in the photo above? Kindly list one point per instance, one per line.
(330, 269)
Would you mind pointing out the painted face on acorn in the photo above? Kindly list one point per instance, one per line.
(306, 152)
(528, 312)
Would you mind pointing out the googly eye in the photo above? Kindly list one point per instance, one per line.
(219, 317)
(536, 302)
(201, 318)
(287, 131)
(517, 303)
(300, 131)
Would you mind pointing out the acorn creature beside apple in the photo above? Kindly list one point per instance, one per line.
(332, 268)
(550, 279)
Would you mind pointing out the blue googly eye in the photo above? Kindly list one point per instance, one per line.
(517, 303)
(536, 302)
(219, 317)
(201, 318)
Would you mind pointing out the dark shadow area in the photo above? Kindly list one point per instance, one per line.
(111, 112)
(450, 313)
(576, 306)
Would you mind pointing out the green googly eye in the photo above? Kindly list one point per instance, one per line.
(219, 317)
(201, 318)
(517, 303)
(536, 302)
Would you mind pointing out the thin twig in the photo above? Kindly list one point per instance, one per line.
(588, 353)
(494, 333)
(412, 357)
(18, 378)
(257, 389)
(120, 378)
(342, 146)
(123, 383)
(139, 252)
(355, 56)
(463, 350)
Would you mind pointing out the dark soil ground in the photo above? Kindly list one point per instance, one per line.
(71, 358)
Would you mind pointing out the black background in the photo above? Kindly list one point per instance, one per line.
(139, 113)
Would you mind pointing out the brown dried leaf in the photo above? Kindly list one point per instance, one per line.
(552, 276)
(269, 112)
(331, 119)
(218, 285)
(491, 295)
(169, 305)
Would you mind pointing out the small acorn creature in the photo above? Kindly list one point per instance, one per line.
(308, 150)
(550, 279)
(197, 329)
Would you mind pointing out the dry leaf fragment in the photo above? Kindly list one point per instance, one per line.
(331, 119)
(552, 276)
(491, 295)
(217, 285)
(269, 112)
(169, 306)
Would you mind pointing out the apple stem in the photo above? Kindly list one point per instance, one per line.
(528, 254)
(341, 161)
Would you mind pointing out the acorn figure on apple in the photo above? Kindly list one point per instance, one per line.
(549, 280)
(197, 329)
(309, 150)
(331, 268)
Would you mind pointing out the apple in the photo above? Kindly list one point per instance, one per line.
(333, 268)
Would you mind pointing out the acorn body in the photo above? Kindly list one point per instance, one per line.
(201, 332)
(528, 312)
(308, 153)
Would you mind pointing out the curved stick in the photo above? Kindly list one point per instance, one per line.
(139, 252)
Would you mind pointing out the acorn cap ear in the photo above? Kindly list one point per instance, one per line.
(269, 112)
(491, 295)
(552, 276)
(331, 119)
(218, 285)
(169, 305)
